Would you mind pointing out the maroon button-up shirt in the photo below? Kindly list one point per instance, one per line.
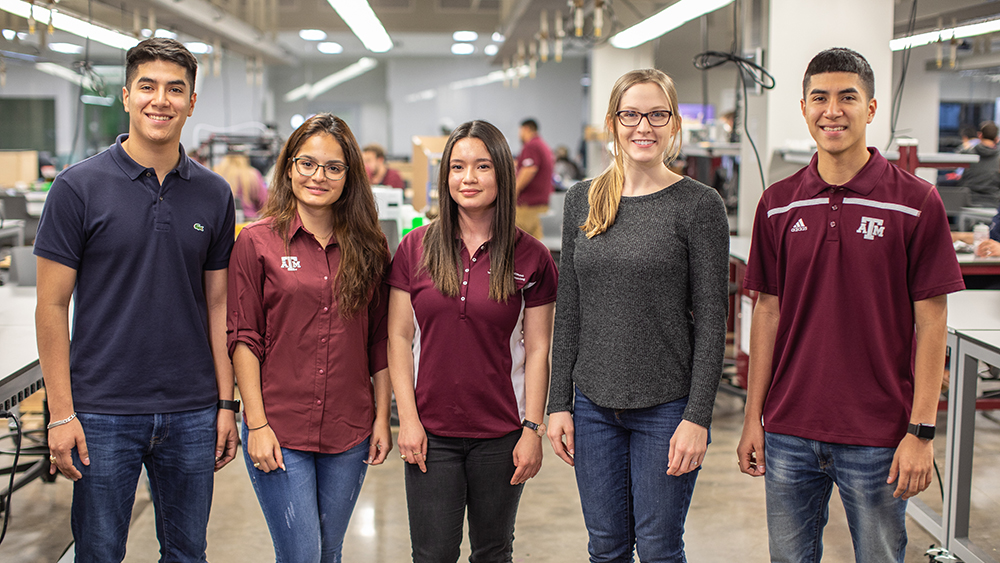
(316, 366)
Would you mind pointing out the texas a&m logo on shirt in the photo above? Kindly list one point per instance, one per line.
(871, 228)
(290, 263)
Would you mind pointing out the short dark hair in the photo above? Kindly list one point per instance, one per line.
(840, 59)
(967, 131)
(376, 149)
(160, 49)
(530, 124)
(989, 130)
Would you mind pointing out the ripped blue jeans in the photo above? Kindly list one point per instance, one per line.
(308, 506)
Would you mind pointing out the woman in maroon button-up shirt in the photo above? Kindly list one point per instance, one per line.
(307, 334)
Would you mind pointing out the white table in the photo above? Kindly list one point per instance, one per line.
(973, 335)
(20, 374)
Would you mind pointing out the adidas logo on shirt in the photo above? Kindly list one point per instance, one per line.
(799, 226)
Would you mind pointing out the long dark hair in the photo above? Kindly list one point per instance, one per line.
(442, 249)
(364, 254)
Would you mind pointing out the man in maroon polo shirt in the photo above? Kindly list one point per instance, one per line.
(853, 261)
(534, 179)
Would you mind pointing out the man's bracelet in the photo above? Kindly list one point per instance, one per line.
(66, 420)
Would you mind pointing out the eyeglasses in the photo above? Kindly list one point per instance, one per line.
(307, 167)
(657, 118)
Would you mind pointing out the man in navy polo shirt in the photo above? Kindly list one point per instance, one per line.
(853, 261)
(139, 235)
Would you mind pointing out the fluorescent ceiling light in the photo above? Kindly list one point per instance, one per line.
(463, 48)
(465, 36)
(330, 48)
(67, 48)
(491, 50)
(165, 34)
(9, 34)
(199, 48)
(664, 21)
(943, 35)
(65, 73)
(106, 101)
(493, 77)
(358, 16)
(312, 34)
(69, 24)
(498, 37)
(311, 91)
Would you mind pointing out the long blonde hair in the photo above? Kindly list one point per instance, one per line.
(243, 178)
(606, 190)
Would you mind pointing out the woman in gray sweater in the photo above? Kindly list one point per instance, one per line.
(640, 330)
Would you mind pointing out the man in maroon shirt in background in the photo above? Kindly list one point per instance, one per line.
(534, 179)
(853, 261)
(379, 174)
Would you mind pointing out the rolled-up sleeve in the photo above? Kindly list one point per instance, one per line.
(246, 321)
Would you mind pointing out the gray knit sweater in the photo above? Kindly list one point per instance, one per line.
(641, 309)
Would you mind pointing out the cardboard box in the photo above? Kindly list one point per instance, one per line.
(18, 167)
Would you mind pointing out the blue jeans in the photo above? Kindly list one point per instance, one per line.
(799, 479)
(629, 502)
(464, 472)
(178, 450)
(308, 505)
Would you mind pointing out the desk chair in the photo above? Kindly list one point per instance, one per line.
(22, 266)
(16, 207)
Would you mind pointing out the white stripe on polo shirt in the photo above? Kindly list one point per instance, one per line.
(801, 203)
(416, 350)
(882, 205)
(517, 359)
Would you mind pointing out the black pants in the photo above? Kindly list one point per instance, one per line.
(464, 472)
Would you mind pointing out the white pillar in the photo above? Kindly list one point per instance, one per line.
(795, 31)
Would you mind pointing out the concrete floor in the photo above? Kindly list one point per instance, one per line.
(726, 522)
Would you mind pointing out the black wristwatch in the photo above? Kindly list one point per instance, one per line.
(229, 405)
(922, 431)
(538, 428)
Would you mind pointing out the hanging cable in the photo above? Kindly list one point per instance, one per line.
(748, 70)
(897, 98)
(13, 471)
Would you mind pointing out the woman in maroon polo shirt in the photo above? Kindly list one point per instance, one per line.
(470, 322)
(307, 332)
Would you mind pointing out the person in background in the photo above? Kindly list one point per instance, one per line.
(378, 173)
(246, 182)
(477, 293)
(566, 171)
(853, 263)
(983, 177)
(534, 179)
(307, 335)
(640, 330)
(969, 138)
(139, 236)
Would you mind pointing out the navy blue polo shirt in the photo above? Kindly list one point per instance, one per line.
(140, 249)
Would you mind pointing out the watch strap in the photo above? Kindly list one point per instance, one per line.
(229, 405)
(922, 431)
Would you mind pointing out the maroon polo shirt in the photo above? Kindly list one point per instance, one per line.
(468, 352)
(316, 367)
(847, 262)
(536, 153)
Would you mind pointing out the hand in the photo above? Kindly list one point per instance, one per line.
(264, 450)
(911, 466)
(988, 248)
(561, 424)
(527, 456)
(380, 443)
(751, 448)
(687, 448)
(62, 439)
(227, 438)
(413, 444)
